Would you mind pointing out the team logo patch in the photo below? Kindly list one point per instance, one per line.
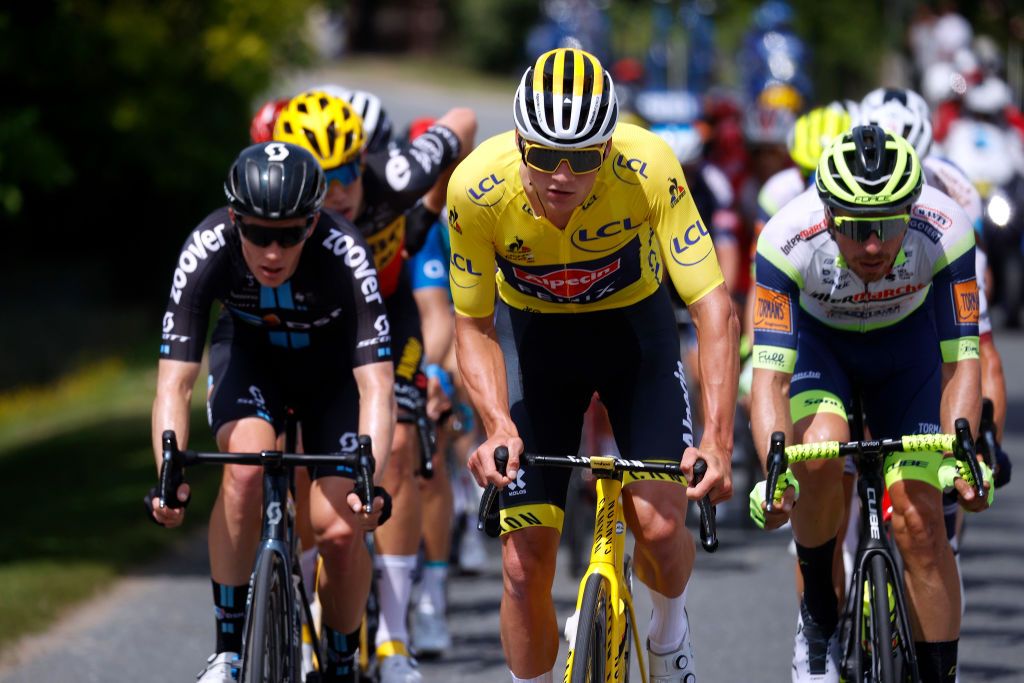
(517, 251)
(676, 192)
(629, 170)
(694, 247)
(965, 301)
(569, 283)
(772, 311)
(453, 220)
(488, 191)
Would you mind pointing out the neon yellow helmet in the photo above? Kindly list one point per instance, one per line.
(813, 132)
(869, 170)
(327, 126)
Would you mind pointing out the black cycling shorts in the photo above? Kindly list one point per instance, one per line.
(250, 378)
(556, 361)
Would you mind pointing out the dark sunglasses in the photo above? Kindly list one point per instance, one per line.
(860, 228)
(547, 159)
(261, 236)
(346, 174)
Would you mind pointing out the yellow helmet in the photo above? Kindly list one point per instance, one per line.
(813, 132)
(327, 126)
(781, 96)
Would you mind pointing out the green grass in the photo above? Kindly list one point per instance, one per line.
(75, 460)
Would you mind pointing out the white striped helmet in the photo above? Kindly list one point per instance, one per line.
(899, 111)
(566, 100)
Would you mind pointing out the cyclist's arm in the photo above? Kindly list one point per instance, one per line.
(377, 409)
(993, 382)
(955, 294)
(482, 368)
(438, 326)
(775, 318)
(718, 358)
(769, 409)
(175, 380)
(462, 122)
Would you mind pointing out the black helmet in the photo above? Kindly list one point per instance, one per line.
(275, 180)
(867, 170)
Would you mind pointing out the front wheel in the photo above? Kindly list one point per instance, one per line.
(587, 663)
(267, 645)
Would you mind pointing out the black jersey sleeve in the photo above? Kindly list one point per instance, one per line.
(199, 272)
(359, 289)
(405, 171)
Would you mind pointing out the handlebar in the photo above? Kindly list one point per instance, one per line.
(489, 520)
(961, 443)
(986, 443)
(361, 466)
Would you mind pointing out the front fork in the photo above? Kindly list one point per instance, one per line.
(607, 558)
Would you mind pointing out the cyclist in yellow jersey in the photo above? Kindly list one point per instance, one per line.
(575, 230)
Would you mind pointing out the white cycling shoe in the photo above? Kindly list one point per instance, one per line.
(430, 636)
(675, 667)
(399, 669)
(815, 656)
(221, 667)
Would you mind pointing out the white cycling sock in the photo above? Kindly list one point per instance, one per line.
(394, 583)
(547, 677)
(432, 599)
(668, 622)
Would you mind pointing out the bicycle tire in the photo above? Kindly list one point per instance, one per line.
(591, 633)
(883, 662)
(266, 647)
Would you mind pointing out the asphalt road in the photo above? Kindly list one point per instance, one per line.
(157, 624)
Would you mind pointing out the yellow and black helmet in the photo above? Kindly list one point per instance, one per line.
(327, 126)
(566, 100)
(814, 131)
(869, 170)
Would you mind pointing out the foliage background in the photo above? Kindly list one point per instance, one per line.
(120, 118)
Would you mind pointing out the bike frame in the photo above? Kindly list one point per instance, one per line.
(607, 558)
(873, 541)
(277, 536)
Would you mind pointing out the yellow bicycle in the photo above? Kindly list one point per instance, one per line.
(606, 627)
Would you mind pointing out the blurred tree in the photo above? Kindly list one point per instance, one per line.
(492, 33)
(118, 123)
(123, 115)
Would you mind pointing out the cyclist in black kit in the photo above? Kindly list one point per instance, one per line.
(303, 324)
(393, 195)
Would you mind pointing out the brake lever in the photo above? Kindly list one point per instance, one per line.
(365, 467)
(708, 513)
(964, 451)
(488, 517)
(172, 471)
(776, 467)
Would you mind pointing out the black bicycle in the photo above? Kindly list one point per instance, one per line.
(875, 634)
(426, 430)
(278, 600)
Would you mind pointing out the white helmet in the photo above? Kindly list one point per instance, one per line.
(899, 111)
(566, 100)
(991, 96)
(951, 33)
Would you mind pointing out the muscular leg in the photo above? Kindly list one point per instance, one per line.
(345, 581)
(529, 629)
(664, 552)
(933, 588)
(436, 497)
(399, 539)
(234, 522)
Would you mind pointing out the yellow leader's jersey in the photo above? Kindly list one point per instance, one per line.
(638, 221)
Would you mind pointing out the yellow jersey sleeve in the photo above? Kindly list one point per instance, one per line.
(476, 192)
(686, 246)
